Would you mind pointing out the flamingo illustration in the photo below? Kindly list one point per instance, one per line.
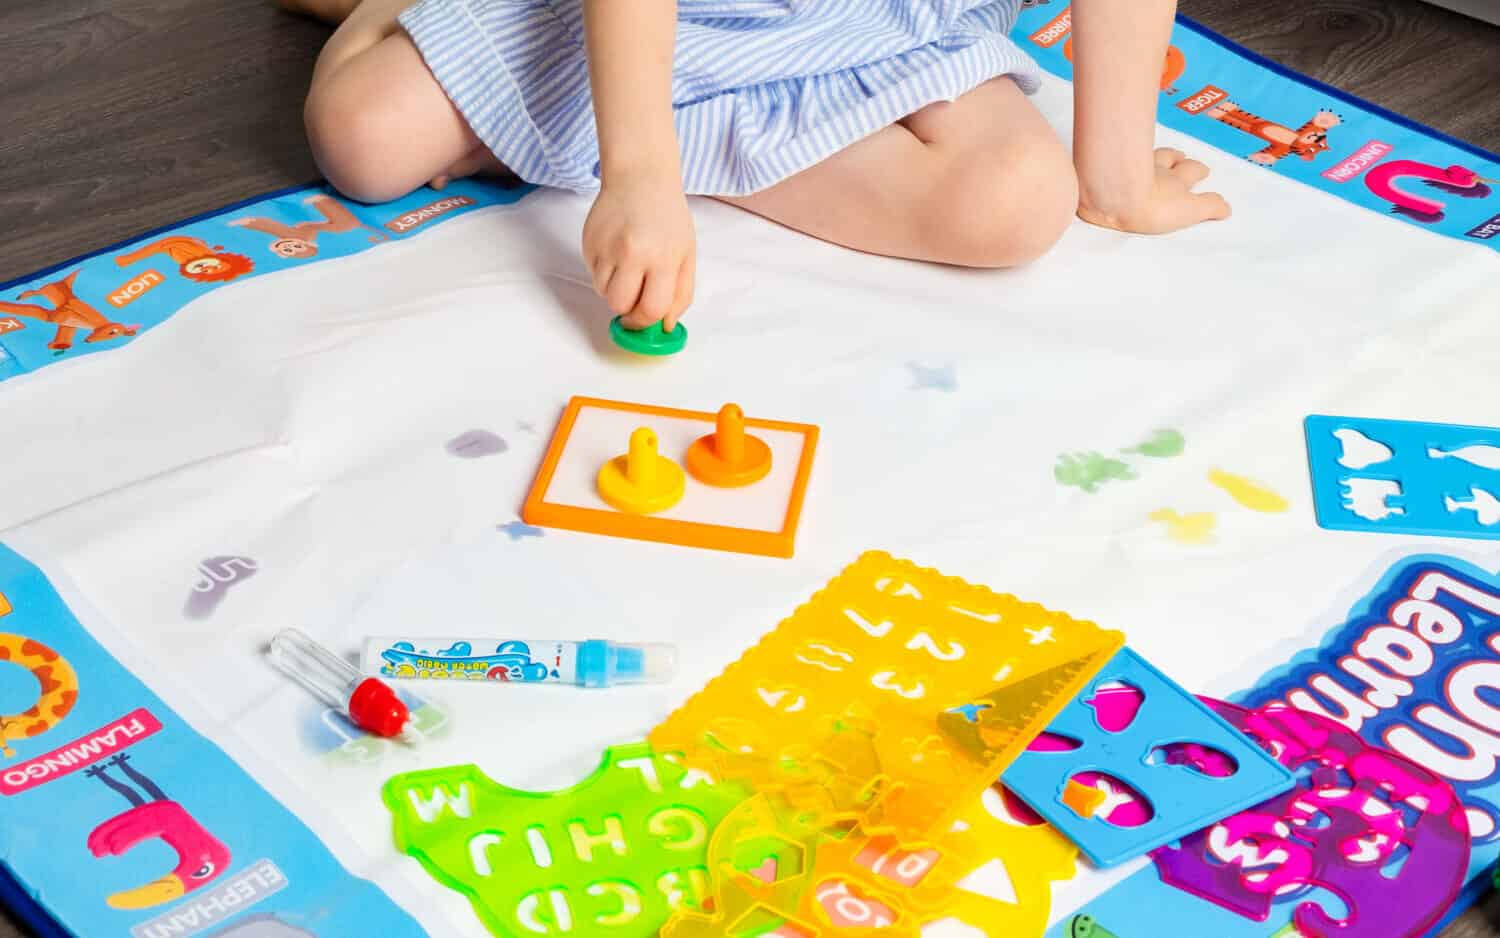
(200, 855)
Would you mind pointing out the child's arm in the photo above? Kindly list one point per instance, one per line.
(638, 241)
(1124, 182)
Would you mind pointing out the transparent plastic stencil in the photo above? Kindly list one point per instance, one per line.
(611, 857)
(950, 680)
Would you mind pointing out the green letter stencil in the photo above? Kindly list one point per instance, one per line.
(611, 857)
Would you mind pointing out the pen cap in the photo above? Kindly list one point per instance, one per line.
(330, 678)
(645, 663)
(601, 663)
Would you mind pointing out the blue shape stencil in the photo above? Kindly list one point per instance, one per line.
(1183, 799)
(1405, 476)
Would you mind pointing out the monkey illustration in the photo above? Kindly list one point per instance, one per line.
(300, 241)
(195, 260)
(68, 313)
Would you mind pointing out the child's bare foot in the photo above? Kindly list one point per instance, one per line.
(329, 11)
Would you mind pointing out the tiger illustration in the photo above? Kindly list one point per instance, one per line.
(1306, 141)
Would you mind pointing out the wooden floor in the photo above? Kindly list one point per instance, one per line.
(123, 115)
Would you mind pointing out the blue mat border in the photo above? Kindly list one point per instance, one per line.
(22, 905)
(163, 229)
(1370, 106)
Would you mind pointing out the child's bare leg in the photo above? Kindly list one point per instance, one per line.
(983, 181)
(378, 121)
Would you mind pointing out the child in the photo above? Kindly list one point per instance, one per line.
(896, 127)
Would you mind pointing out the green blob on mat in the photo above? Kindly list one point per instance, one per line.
(1090, 470)
(652, 340)
(1163, 444)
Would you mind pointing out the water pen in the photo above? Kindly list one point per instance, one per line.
(366, 701)
(594, 663)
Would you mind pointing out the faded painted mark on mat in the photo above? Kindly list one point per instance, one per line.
(476, 444)
(215, 576)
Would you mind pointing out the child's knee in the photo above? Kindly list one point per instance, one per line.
(352, 136)
(1008, 207)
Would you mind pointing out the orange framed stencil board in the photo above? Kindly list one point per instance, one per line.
(760, 517)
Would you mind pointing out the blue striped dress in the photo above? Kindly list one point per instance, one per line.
(762, 89)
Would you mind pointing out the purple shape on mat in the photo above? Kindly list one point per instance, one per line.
(475, 444)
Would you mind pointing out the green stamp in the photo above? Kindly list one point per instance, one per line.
(611, 857)
(652, 340)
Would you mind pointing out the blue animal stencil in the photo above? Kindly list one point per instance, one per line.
(1146, 754)
(1404, 476)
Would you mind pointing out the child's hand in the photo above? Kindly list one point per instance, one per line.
(640, 245)
(1172, 204)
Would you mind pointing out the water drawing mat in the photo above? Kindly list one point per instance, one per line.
(760, 518)
(1405, 476)
(342, 439)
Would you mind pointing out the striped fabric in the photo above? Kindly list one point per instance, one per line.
(762, 88)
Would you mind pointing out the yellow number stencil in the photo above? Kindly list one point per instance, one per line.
(950, 680)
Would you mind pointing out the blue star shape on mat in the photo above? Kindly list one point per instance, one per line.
(519, 529)
(943, 378)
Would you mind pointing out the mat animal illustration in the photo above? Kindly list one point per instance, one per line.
(195, 258)
(69, 313)
(201, 857)
(1306, 142)
(58, 690)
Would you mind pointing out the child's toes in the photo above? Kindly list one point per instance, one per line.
(1166, 157)
(1212, 206)
(1191, 172)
